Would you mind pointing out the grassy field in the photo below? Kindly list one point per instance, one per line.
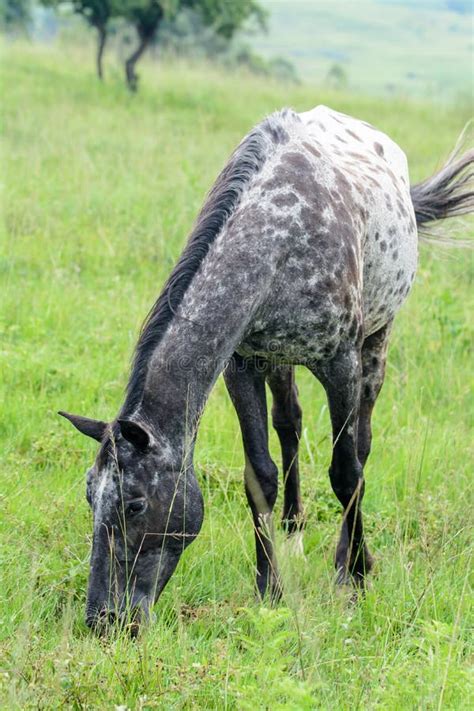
(413, 47)
(101, 189)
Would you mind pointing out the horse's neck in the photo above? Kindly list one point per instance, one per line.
(180, 375)
(207, 328)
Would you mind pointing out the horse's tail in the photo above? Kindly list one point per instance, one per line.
(447, 193)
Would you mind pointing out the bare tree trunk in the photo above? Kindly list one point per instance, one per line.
(130, 74)
(100, 50)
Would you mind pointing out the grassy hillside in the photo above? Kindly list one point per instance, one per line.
(418, 48)
(101, 189)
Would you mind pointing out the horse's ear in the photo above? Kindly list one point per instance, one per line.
(91, 428)
(134, 433)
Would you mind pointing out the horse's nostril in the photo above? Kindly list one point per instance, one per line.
(99, 621)
(110, 617)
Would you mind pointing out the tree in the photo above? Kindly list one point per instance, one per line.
(97, 14)
(14, 14)
(283, 70)
(227, 17)
(336, 77)
(224, 16)
(146, 16)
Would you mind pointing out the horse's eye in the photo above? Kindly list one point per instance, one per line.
(88, 486)
(136, 507)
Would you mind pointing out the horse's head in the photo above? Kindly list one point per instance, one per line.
(146, 510)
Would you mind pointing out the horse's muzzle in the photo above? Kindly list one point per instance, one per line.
(129, 618)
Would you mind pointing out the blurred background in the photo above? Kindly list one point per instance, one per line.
(417, 48)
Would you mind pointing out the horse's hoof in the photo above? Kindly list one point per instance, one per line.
(272, 593)
(349, 586)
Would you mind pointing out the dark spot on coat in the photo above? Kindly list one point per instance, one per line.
(277, 133)
(271, 184)
(312, 149)
(327, 283)
(401, 207)
(358, 156)
(383, 246)
(341, 181)
(296, 160)
(353, 329)
(373, 181)
(354, 135)
(378, 148)
(285, 200)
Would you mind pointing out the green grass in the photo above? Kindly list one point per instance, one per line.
(101, 189)
(412, 47)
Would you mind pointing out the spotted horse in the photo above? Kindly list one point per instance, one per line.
(304, 251)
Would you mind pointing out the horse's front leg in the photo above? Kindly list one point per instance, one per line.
(246, 385)
(341, 378)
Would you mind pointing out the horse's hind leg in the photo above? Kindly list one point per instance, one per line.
(374, 355)
(341, 378)
(246, 385)
(286, 418)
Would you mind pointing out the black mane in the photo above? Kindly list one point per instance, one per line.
(247, 160)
